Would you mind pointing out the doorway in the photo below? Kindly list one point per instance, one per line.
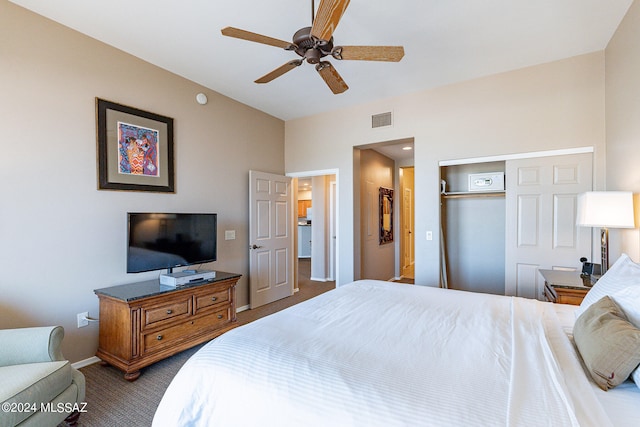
(407, 224)
(381, 167)
(316, 228)
(496, 238)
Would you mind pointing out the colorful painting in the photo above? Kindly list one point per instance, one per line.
(137, 150)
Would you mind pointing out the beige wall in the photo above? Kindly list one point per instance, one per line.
(558, 105)
(623, 123)
(61, 238)
(377, 261)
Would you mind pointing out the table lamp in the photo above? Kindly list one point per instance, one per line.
(605, 209)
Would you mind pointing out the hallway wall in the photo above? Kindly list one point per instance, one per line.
(377, 260)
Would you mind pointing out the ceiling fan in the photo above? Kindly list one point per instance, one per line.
(316, 42)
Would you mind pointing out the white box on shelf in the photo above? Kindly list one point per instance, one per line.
(488, 181)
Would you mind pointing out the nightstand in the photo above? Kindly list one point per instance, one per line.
(565, 287)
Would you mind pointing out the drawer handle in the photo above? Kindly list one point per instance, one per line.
(159, 337)
(169, 311)
(214, 298)
(220, 316)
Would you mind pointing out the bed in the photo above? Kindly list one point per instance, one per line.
(375, 353)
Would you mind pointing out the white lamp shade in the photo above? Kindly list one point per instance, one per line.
(606, 209)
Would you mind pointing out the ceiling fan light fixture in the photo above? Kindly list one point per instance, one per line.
(312, 56)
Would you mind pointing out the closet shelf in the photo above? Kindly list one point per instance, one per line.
(469, 194)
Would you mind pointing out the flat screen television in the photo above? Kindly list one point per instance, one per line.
(156, 241)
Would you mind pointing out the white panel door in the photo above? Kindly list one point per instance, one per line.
(271, 238)
(541, 205)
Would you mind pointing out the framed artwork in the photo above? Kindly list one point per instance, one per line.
(386, 215)
(135, 149)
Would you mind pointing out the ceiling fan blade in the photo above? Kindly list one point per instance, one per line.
(369, 53)
(253, 37)
(331, 77)
(279, 71)
(327, 18)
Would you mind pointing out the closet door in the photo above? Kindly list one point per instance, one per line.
(541, 231)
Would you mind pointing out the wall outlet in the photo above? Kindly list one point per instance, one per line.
(83, 319)
(229, 234)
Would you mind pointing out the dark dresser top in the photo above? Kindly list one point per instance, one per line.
(148, 288)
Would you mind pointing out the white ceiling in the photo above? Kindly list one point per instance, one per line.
(396, 151)
(445, 41)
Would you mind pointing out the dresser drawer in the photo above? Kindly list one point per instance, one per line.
(210, 299)
(171, 310)
(167, 337)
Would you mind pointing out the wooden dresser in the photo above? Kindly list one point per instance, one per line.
(144, 322)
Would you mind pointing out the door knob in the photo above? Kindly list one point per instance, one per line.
(254, 247)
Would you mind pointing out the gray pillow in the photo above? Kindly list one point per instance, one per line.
(608, 343)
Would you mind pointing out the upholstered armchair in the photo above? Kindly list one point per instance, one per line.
(38, 387)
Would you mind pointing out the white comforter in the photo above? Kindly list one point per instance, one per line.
(380, 354)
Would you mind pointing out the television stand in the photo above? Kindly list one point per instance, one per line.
(142, 323)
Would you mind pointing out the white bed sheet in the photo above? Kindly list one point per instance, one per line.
(375, 353)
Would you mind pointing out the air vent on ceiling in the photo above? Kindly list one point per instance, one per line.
(381, 120)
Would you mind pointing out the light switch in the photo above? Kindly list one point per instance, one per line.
(229, 234)
(429, 235)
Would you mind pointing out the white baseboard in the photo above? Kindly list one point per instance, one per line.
(243, 308)
(86, 362)
(317, 279)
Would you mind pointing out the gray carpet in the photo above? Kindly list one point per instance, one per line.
(112, 401)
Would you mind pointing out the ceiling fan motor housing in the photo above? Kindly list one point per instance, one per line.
(309, 47)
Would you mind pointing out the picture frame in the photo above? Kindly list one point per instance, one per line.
(386, 215)
(135, 149)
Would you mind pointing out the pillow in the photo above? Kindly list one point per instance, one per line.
(608, 343)
(628, 300)
(635, 376)
(622, 274)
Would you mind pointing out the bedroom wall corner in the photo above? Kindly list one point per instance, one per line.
(622, 59)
